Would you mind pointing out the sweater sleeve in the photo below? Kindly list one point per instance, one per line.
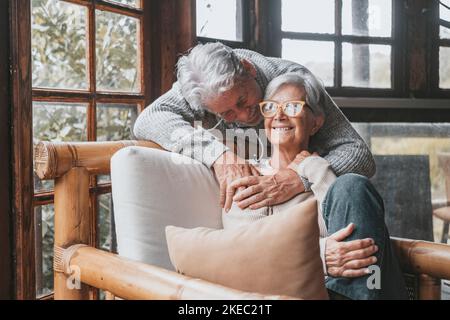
(167, 121)
(318, 171)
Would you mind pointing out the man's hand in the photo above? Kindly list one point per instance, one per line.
(263, 191)
(228, 168)
(349, 259)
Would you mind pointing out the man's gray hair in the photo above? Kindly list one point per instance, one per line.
(315, 92)
(206, 71)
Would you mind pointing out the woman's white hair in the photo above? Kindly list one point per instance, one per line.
(315, 92)
(206, 71)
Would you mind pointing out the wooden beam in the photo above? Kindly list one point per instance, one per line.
(22, 125)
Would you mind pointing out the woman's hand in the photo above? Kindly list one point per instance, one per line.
(300, 157)
(264, 191)
(349, 259)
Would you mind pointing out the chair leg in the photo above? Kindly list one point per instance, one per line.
(445, 232)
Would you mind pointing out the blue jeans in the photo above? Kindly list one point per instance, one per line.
(353, 199)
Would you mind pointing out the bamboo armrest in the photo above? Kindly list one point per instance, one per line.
(54, 159)
(423, 257)
(132, 280)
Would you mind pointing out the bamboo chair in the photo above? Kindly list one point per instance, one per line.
(72, 165)
(444, 212)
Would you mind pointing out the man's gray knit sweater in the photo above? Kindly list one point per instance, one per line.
(169, 122)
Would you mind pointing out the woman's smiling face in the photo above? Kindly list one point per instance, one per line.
(290, 132)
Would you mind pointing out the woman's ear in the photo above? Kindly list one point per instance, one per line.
(318, 123)
(250, 68)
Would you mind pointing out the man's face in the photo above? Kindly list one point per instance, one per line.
(240, 103)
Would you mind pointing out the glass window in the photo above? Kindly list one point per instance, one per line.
(352, 52)
(317, 56)
(115, 121)
(105, 224)
(367, 18)
(59, 45)
(366, 65)
(444, 67)
(70, 91)
(444, 14)
(44, 240)
(57, 122)
(220, 19)
(130, 3)
(308, 16)
(117, 52)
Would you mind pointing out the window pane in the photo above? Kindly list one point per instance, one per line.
(411, 155)
(317, 56)
(117, 52)
(220, 19)
(116, 121)
(44, 240)
(444, 13)
(59, 45)
(366, 65)
(105, 225)
(444, 67)
(367, 17)
(57, 122)
(308, 16)
(131, 3)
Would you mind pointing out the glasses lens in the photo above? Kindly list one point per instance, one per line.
(268, 108)
(293, 109)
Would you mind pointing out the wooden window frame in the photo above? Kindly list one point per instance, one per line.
(436, 45)
(395, 41)
(23, 94)
(246, 9)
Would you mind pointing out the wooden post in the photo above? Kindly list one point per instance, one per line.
(429, 288)
(73, 224)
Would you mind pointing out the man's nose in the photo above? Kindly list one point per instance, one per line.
(244, 114)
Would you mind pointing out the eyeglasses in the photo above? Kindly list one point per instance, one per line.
(290, 108)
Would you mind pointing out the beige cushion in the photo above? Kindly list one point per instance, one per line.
(276, 255)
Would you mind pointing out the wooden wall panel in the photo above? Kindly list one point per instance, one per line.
(173, 33)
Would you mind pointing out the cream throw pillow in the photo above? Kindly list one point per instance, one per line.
(276, 255)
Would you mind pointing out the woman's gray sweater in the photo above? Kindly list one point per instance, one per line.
(169, 121)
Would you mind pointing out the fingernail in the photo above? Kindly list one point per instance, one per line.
(368, 271)
(374, 259)
(227, 209)
(376, 248)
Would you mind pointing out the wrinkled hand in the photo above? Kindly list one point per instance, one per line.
(263, 191)
(349, 259)
(228, 168)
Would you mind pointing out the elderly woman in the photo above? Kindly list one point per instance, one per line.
(221, 87)
(349, 206)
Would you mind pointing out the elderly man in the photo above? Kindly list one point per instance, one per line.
(222, 88)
